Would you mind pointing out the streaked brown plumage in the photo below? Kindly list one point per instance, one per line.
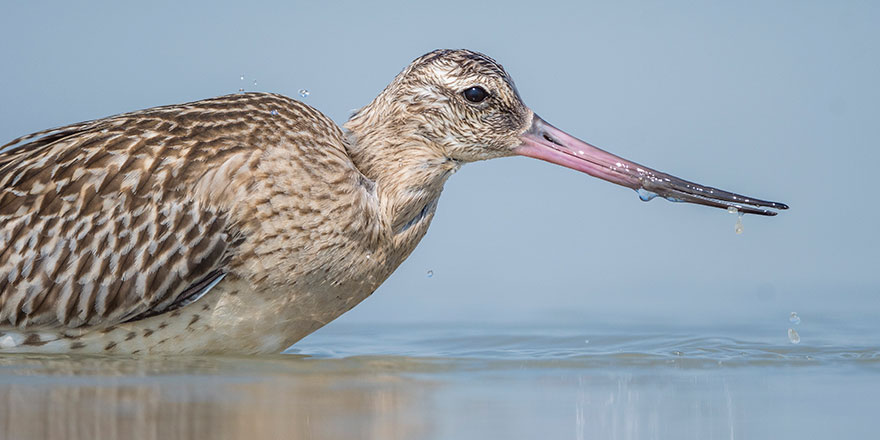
(112, 230)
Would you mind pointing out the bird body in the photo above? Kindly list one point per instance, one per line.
(135, 210)
(240, 224)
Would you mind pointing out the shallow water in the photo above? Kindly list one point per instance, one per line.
(452, 381)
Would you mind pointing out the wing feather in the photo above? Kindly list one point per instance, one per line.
(101, 221)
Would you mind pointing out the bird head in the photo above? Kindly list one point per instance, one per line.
(463, 106)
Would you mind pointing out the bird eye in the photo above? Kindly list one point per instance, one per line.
(475, 94)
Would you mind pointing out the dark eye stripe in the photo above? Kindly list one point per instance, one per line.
(475, 94)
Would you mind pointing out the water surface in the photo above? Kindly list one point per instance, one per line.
(453, 381)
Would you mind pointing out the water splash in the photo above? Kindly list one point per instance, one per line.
(645, 195)
(304, 93)
(794, 318)
(430, 273)
(793, 336)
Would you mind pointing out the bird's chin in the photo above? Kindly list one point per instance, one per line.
(546, 142)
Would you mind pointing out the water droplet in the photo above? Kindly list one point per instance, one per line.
(430, 273)
(646, 195)
(255, 83)
(581, 152)
(274, 112)
(793, 336)
(738, 227)
(368, 256)
(241, 78)
(677, 353)
(732, 209)
(794, 318)
(586, 341)
(304, 93)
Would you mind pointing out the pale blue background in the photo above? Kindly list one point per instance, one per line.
(777, 100)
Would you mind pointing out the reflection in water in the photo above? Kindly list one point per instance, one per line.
(216, 398)
(449, 385)
(637, 408)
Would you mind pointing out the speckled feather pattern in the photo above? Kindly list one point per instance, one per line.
(112, 227)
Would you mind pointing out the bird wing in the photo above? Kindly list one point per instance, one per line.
(101, 222)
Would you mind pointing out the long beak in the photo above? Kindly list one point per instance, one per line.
(546, 142)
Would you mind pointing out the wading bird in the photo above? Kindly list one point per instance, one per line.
(240, 224)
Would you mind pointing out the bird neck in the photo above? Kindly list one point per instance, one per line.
(408, 171)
